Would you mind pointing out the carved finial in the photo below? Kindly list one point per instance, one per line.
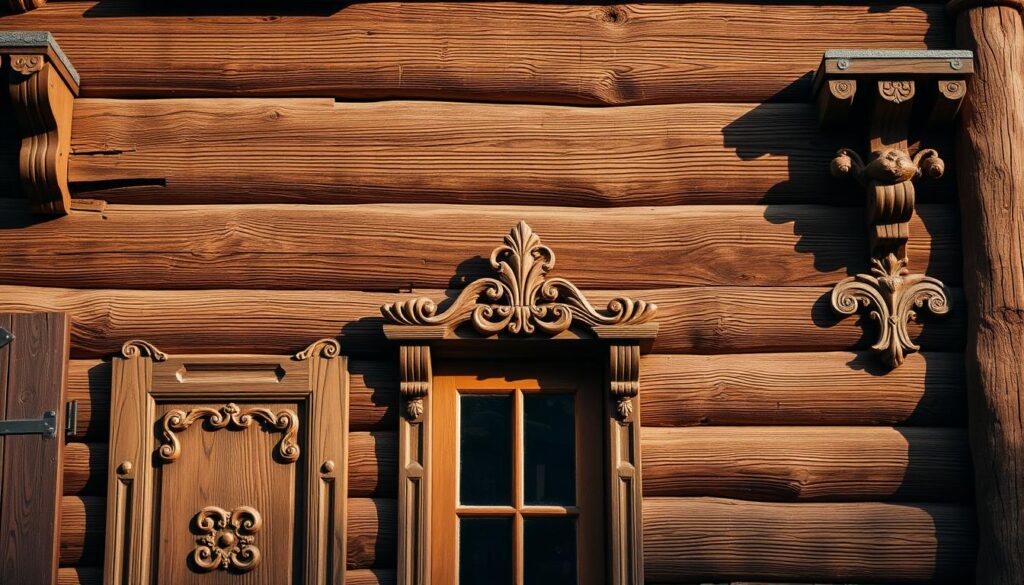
(522, 299)
(142, 348)
(891, 296)
(327, 347)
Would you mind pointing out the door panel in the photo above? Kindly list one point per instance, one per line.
(228, 469)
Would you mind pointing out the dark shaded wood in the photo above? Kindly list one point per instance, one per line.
(707, 539)
(371, 533)
(840, 388)
(81, 531)
(691, 320)
(182, 151)
(85, 469)
(89, 384)
(80, 576)
(991, 179)
(34, 382)
(613, 54)
(370, 577)
(387, 247)
(836, 464)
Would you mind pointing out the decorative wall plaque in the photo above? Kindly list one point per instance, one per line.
(227, 539)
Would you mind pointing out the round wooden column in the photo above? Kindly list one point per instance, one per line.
(990, 167)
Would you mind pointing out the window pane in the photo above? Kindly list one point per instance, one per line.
(549, 551)
(550, 459)
(485, 450)
(485, 551)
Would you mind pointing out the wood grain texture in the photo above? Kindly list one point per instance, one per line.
(840, 464)
(373, 464)
(613, 54)
(371, 577)
(707, 539)
(392, 247)
(839, 388)
(85, 469)
(371, 533)
(691, 320)
(80, 576)
(34, 381)
(991, 181)
(180, 151)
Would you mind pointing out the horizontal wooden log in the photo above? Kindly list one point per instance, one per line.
(613, 54)
(82, 523)
(371, 577)
(80, 576)
(185, 151)
(690, 540)
(392, 247)
(371, 532)
(786, 464)
(372, 536)
(691, 320)
(85, 469)
(839, 388)
(373, 464)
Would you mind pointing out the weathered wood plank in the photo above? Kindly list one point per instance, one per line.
(371, 532)
(991, 184)
(706, 539)
(393, 247)
(211, 150)
(593, 54)
(838, 388)
(785, 464)
(692, 320)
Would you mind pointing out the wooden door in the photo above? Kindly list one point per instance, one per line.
(518, 489)
(227, 469)
(33, 379)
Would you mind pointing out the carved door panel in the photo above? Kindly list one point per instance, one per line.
(227, 469)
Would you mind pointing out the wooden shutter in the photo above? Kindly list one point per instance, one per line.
(33, 374)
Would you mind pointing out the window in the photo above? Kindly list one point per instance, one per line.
(518, 495)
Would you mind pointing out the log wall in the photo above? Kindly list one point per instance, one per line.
(272, 175)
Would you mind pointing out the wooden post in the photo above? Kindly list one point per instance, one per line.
(990, 168)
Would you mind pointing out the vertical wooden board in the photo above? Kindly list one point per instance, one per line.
(32, 483)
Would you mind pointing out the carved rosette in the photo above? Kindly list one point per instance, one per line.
(229, 415)
(227, 539)
(892, 298)
(624, 369)
(522, 299)
(414, 363)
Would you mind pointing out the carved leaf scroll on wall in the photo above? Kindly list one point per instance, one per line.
(229, 415)
(522, 299)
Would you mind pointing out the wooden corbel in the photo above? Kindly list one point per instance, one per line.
(43, 86)
(414, 385)
(893, 81)
(624, 452)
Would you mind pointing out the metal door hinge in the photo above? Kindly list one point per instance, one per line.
(5, 337)
(71, 418)
(45, 426)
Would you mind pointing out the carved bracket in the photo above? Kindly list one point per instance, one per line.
(624, 377)
(227, 539)
(415, 371)
(897, 80)
(176, 421)
(43, 86)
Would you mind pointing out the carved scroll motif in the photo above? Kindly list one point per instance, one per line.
(327, 347)
(226, 539)
(414, 362)
(141, 348)
(892, 297)
(624, 368)
(522, 299)
(229, 415)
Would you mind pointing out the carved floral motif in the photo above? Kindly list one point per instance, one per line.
(522, 300)
(226, 539)
(175, 421)
(892, 297)
(896, 91)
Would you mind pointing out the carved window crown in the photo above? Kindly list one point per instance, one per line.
(522, 299)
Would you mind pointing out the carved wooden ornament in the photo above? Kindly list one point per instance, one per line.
(229, 415)
(227, 539)
(890, 294)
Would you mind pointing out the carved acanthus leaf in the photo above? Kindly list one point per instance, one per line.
(327, 347)
(226, 539)
(521, 300)
(892, 298)
(176, 421)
